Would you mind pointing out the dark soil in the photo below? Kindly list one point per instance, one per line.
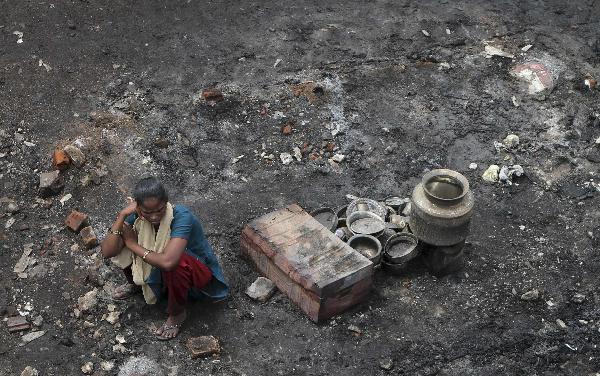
(125, 79)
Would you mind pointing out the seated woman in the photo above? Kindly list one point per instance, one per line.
(162, 249)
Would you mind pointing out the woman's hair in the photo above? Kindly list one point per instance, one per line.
(149, 187)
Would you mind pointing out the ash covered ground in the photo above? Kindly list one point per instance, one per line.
(404, 87)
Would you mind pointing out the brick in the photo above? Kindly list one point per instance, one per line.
(60, 160)
(212, 95)
(203, 346)
(17, 324)
(320, 273)
(89, 237)
(51, 183)
(76, 221)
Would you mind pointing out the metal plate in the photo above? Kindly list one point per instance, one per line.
(366, 204)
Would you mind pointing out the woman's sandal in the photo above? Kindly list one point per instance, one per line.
(168, 329)
(125, 291)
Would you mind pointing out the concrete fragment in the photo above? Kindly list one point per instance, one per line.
(386, 364)
(87, 368)
(203, 346)
(561, 324)
(495, 51)
(12, 207)
(473, 166)
(23, 262)
(106, 365)
(338, 158)
(60, 160)
(76, 220)
(25, 339)
(262, 289)
(76, 155)
(89, 237)
(30, 371)
(578, 298)
(297, 154)
(531, 295)
(491, 174)
(511, 141)
(87, 301)
(51, 183)
(286, 158)
(113, 317)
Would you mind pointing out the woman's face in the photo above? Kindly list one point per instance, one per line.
(152, 210)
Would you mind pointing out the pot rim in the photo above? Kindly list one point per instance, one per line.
(442, 172)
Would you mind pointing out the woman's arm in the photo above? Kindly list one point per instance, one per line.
(113, 243)
(168, 260)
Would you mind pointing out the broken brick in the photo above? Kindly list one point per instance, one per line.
(212, 95)
(76, 220)
(89, 237)
(60, 160)
(286, 129)
(203, 346)
(51, 183)
(17, 324)
(330, 146)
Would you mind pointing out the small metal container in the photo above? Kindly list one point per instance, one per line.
(365, 222)
(401, 248)
(326, 217)
(367, 246)
(366, 204)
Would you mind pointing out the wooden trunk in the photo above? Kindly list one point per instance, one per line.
(314, 268)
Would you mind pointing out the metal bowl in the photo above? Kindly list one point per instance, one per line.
(326, 217)
(365, 222)
(366, 204)
(395, 202)
(400, 248)
(367, 246)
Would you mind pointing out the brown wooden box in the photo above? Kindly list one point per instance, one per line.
(314, 268)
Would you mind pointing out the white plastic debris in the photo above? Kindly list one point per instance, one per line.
(495, 51)
(507, 173)
(65, 198)
(338, 158)
(448, 31)
(473, 166)
(19, 35)
(526, 48)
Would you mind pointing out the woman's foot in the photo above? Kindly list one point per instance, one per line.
(125, 291)
(170, 329)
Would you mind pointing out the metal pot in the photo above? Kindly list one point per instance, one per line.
(441, 208)
(367, 246)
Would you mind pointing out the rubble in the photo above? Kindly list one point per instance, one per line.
(212, 95)
(355, 330)
(203, 346)
(511, 141)
(12, 208)
(495, 51)
(89, 237)
(308, 89)
(112, 317)
(76, 221)
(507, 173)
(286, 129)
(262, 289)
(578, 298)
(531, 295)
(386, 364)
(88, 301)
(561, 324)
(23, 262)
(491, 174)
(25, 339)
(106, 365)
(473, 166)
(30, 371)
(590, 82)
(286, 158)
(76, 155)
(51, 183)
(60, 160)
(87, 368)
(537, 75)
(17, 324)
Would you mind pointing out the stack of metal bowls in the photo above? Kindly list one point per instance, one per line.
(399, 250)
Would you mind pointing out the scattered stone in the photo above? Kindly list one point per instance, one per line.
(12, 208)
(491, 174)
(51, 183)
(511, 141)
(212, 96)
(87, 368)
(286, 158)
(76, 155)
(561, 324)
(30, 371)
(88, 324)
(386, 364)
(531, 295)
(106, 365)
(495, 51)
(113, 317)
(508, 172)
(473, 166)
(286, 129)
(76, 220)
(355, 330)
(119, 348)
(578, 298)
(338, 158)
(590, 82)
(11, 221)
(162, 143)
(203, 346)
(426, 33)
(89, 237)
(23, 227)
(17, 324)
(142, 365)
(24, 261)
(526, 47)
(262, 289)
(98, 333)
(536, 75)
(297, 154)
(87, 301)
(25, 339)
(120, 339)
(65, 198)
(60, 160)
(38, 321)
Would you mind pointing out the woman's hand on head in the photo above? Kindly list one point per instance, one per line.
(131, 207)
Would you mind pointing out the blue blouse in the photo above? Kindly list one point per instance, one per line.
(187, 226)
